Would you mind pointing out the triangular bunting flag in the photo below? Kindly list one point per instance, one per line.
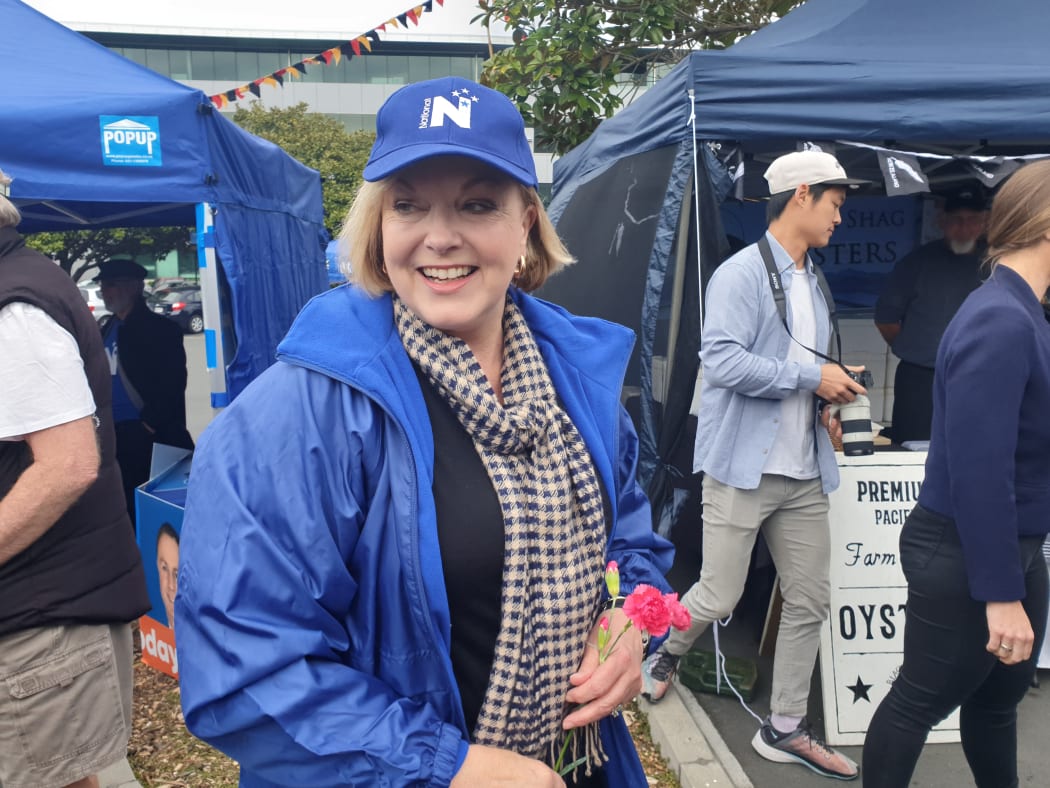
(992, 172)
(902, 173)
(328, 57)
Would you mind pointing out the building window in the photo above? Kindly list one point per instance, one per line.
(179, 64)
(157, 59)
(202, 64)
(225, 66)
(247, 66)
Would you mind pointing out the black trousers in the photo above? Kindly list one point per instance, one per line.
(134, 454)
(912, 403)
(946, 664)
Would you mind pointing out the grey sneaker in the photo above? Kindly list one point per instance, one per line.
(805, 747)
(657, 671)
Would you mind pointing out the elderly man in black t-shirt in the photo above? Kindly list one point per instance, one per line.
(920, 298)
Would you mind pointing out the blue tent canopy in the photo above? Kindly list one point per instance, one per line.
(941, 72)
(95, 140)
(639, 202)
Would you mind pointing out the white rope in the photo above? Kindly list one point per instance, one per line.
(720, 671)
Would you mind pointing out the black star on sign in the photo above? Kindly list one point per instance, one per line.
(859, 690)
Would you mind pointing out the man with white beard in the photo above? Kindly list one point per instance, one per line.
(920, 298)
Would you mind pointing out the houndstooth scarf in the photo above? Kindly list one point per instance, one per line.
(554, 531)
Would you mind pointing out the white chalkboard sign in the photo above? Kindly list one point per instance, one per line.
(862, 643)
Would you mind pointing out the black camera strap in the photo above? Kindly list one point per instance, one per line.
(780, 299)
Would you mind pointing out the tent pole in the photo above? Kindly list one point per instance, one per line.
(696, 204)
(207, 265)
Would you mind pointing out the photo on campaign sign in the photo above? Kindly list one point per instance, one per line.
(160, 526)
(862, 643)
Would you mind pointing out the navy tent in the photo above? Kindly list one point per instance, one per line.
(945, 87)
(95, 140)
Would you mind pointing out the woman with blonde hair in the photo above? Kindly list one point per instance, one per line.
(971, 549)
(395, 539)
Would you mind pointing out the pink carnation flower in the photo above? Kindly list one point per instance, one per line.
(647, 610)
(680, 616)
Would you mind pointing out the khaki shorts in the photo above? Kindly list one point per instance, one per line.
(65, 703)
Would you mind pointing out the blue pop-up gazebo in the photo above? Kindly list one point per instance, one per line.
(95, 140)
(946, 90)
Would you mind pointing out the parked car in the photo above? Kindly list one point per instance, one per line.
(93, 296)
(181, 304)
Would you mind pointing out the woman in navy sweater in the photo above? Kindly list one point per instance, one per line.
(971, 549)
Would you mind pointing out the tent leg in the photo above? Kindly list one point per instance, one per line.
(209, 279)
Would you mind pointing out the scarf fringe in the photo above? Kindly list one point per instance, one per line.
(593, 749)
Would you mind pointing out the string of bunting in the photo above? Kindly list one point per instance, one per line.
(354, 48)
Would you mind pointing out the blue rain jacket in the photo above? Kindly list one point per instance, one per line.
(312, 619)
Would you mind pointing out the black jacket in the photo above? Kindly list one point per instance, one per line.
(153, 361)
(85, 568)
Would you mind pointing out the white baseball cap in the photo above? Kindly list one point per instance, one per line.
(811, 167)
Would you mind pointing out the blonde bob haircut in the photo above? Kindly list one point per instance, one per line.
(362, 234)
(1020, 214)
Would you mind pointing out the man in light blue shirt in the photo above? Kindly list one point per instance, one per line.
(767, 458)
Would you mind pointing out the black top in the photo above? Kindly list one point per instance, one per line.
(923, 293)
(470, 534)
(152, 356)
(471, 537)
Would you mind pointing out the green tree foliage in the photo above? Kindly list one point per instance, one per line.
(565, 69)
(317, 141)
(79, 250)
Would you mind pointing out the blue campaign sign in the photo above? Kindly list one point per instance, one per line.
(875, 233)
(130, 140)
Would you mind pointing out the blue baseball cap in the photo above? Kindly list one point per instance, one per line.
(450, 116)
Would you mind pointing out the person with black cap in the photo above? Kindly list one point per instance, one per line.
(147, 361)
(392, 557)
(921, 295)
(767, 459)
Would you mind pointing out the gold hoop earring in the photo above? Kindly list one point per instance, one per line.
(519, 269)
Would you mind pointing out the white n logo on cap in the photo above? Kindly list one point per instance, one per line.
(443, 108)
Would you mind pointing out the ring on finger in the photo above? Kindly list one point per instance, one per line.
(1005, 647)
(617, 711)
